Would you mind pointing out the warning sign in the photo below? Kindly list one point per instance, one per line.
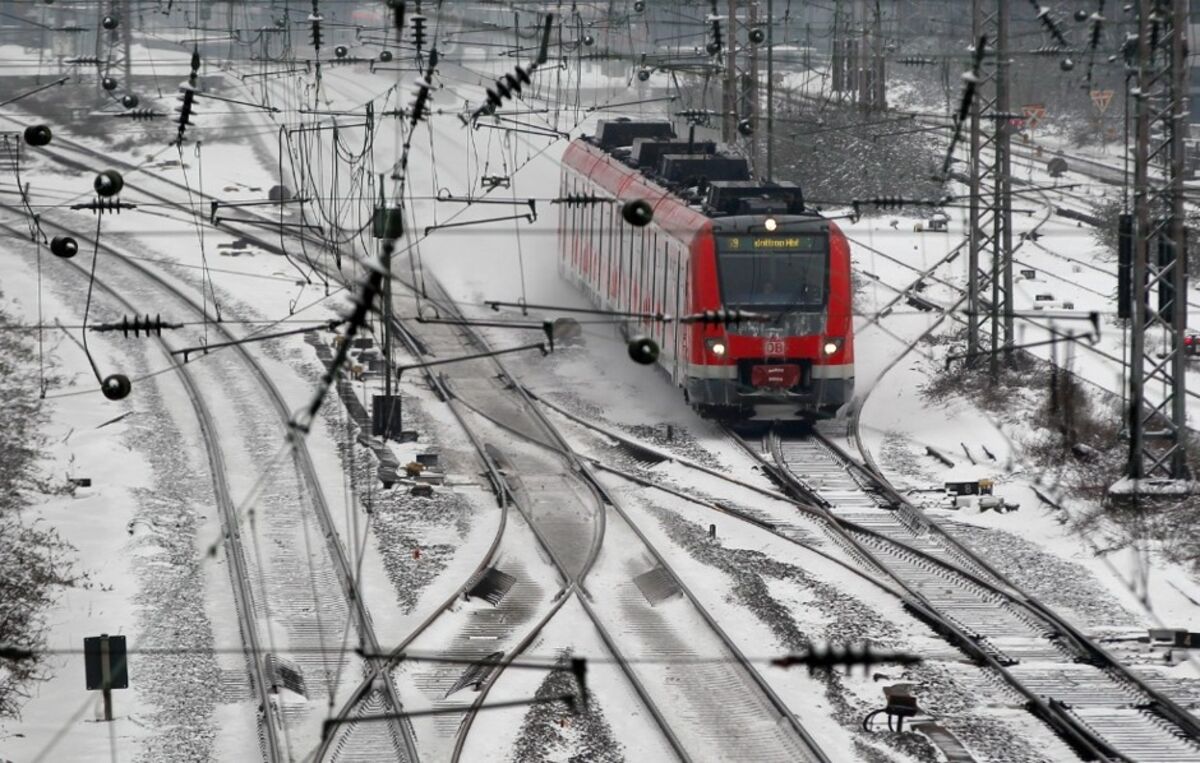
(1101, 99)
(1033, 114)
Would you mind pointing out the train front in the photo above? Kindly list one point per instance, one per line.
(797, 362)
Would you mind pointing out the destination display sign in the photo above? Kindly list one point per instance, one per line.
(785, 242)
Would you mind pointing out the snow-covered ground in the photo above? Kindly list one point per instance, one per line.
(143, 527)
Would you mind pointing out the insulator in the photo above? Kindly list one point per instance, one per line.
(85, 60)
(418, 28)
(101, 205)
(831, 656)
(915, 61)
(138, 325)
(503, 90)
(140, 114)
(579, 200)
(185, 111)
(398, 15)
(316, 33)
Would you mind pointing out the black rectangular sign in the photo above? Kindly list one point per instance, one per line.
(93, 669)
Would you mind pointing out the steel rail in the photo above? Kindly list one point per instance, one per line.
(344, 569)
(239, 574)
(1089, 648)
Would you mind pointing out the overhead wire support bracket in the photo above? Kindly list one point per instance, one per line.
(217, 204)
(469, 200)
(267, 223)
(528, 218)
(35, 91)
(202, 94)
(540, 133)
(205, 348)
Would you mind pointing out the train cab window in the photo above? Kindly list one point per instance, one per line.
(785, 271)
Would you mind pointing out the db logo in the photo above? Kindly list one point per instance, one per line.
(774, 347)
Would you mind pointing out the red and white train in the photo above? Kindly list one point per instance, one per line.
(716, 241)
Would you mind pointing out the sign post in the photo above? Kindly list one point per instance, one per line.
(104, 667)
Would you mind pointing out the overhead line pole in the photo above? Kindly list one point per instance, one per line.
(770, 90)
(1159, 256)
(990, 208)
(730, 99)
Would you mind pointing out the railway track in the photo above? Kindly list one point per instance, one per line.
(745, 687)
(797, 745)
(262, 680)
(1093, 701)
(312, 494)
(1096, 703)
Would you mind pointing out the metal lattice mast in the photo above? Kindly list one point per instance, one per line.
(990, 323)
(1159, 257)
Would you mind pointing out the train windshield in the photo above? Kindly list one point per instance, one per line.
(783, 271)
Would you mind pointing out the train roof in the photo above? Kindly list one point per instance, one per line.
(715, 183)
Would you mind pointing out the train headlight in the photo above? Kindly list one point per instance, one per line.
(831, 346)
(716, 347)
(771, 224)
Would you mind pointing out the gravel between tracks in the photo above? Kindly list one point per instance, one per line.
(551, 732)
(400, 522)
(1065, 586)
(171, 602)
(953, 693)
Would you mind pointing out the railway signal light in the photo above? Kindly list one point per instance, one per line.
(108, 83)
(385, 56)
(757, 36)
(770, 224)
(745, 127)
(341, 51)
(639, 6)
(129, 101)
(110, 22)
(643, 350)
